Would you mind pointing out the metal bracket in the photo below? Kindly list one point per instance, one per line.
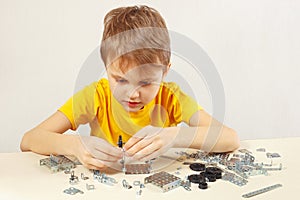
(103, 178)
(73, 191)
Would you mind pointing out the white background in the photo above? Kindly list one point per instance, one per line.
(254, 45)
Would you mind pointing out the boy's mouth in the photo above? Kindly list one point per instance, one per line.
(133, 104)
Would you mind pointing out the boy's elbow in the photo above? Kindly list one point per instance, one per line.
(232, 141)
(24, 145)
(227, 142)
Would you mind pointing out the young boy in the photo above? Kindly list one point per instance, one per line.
(134, 102)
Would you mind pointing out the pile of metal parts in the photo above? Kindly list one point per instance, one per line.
(138, 185)
(58, 163)
(237, 168)
(103, 178)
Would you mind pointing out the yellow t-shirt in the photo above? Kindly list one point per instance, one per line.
(107, 118)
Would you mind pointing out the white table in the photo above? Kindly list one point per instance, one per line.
(21, 177)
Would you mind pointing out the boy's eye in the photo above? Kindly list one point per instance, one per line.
(144, 83)
(121, 80)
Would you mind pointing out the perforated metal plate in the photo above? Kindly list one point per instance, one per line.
(57, 163)
(137, 169)
(164, 180)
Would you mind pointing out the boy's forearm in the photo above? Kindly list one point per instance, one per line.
(211, 139)
(46, 142)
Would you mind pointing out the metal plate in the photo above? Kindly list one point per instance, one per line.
(137, 169)
(57, 163)
(164, 180)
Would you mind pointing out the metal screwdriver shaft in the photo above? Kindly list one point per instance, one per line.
(120, 144)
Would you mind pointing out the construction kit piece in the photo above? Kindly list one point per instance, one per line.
(261, 150)
(260, 191)
(164, 180)
(73, 191)
(103, 178)
(58, 163)
(241, 164)
(273, 155)
(126, 184)
(90, 187)
(83, 177)
(231, 177)
(186, 185)
(73, 179)
(138, 168)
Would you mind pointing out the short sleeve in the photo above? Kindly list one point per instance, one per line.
(82, 107)
(183, 106)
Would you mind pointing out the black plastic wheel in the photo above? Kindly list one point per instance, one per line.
(196, 178)
(215, 170)
(197, 167)
(203, 186)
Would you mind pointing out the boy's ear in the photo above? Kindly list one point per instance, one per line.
(166, 70)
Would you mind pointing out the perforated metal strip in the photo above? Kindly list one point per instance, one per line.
(260, 191)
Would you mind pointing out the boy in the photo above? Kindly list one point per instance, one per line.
(134, 102)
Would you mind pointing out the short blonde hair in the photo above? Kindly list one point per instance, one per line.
(136, 34)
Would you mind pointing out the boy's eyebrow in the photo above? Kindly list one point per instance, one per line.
(116, 76)
(147, 79)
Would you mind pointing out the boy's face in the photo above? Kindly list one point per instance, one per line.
(135, 87)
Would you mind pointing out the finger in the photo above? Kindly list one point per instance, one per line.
(140, 135)
(100, 164)
(108, 149)
(147, 133)
(131, 142)
(92, 142)
(148, 150)
(155, 154)
(138, 147)
(115, 165)
(92, 162)
(98, 154)
(111, 152)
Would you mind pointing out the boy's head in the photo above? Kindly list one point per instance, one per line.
(135, 49)
(137, 34)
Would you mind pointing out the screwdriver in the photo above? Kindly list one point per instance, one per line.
(120, 144)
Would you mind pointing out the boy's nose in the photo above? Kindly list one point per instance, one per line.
(133, 93)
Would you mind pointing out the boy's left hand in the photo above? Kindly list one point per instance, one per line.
(150, 142)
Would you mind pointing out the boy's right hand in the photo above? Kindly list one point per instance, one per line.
(97, 153)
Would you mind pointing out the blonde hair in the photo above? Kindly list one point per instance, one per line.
(136, 34)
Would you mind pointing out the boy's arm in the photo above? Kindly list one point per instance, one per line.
(47, 138)
(208, 134)
(203, 132)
